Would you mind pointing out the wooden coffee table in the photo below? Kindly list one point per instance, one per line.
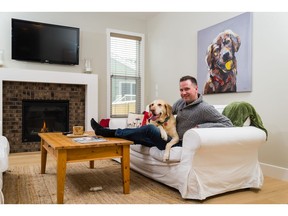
(64, 150)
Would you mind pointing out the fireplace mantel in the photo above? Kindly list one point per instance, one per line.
(89, 80)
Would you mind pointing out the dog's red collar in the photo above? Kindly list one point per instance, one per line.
(219, 80)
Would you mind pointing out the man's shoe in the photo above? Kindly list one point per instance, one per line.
(95, 125)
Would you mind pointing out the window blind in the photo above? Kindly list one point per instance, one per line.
(125, 74)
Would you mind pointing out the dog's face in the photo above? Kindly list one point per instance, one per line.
(159, 109)
(221, 53)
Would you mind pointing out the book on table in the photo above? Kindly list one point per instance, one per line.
(89, 139)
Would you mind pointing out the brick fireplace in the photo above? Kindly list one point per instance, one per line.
(15, 92)
(79, 89)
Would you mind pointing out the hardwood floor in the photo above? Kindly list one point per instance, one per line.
(274, 191)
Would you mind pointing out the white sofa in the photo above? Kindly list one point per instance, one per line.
(4, 152)
(210, 162)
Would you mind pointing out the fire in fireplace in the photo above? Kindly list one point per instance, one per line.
(43, 116)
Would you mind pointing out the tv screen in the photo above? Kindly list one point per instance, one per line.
(45, 43)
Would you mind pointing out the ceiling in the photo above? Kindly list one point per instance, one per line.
(137, 15)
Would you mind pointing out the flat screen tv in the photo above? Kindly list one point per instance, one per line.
(45, 43)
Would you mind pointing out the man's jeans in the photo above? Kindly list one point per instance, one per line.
(147, 135)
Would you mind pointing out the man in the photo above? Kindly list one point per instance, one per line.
(191, 112)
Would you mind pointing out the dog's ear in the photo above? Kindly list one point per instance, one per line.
(168, 109)
(235, 40)
(209, 57)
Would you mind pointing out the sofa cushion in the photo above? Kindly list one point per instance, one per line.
(134, 120)
(140, 148)
(175, 154)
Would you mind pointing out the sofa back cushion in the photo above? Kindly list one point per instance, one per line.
(219, 108)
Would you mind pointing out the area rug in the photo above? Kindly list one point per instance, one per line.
(25, 185)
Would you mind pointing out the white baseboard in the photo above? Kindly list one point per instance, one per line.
(274, 171)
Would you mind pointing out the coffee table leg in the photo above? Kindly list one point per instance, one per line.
(125, 167)
(61, 175)
(43, 157)
(91, 164)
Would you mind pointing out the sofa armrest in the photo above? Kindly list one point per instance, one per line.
(4, 152)
(217, 160)
(221, 140)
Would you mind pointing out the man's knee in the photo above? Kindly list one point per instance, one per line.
(151, 127)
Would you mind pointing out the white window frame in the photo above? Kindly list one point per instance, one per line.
(142, 51)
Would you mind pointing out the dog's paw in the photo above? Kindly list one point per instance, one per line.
(164, 136)
(166, 156)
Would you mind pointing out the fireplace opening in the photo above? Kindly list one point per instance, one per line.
(43, 116)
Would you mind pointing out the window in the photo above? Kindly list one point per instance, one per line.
(125, 73)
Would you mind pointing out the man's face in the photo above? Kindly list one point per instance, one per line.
(188, 91)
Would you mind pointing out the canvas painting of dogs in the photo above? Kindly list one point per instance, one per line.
(224, 56)
(162, 117)
(222, 63)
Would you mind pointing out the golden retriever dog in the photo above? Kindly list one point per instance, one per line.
(162, 117)
(222, 63)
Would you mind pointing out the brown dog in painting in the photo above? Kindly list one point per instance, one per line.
(162, 117)
(222, 63)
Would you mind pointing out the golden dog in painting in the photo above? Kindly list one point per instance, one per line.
(222, 63)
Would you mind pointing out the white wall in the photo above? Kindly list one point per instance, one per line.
(172, 53)
(92, 41)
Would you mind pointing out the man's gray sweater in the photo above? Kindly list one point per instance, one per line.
(197, 114)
